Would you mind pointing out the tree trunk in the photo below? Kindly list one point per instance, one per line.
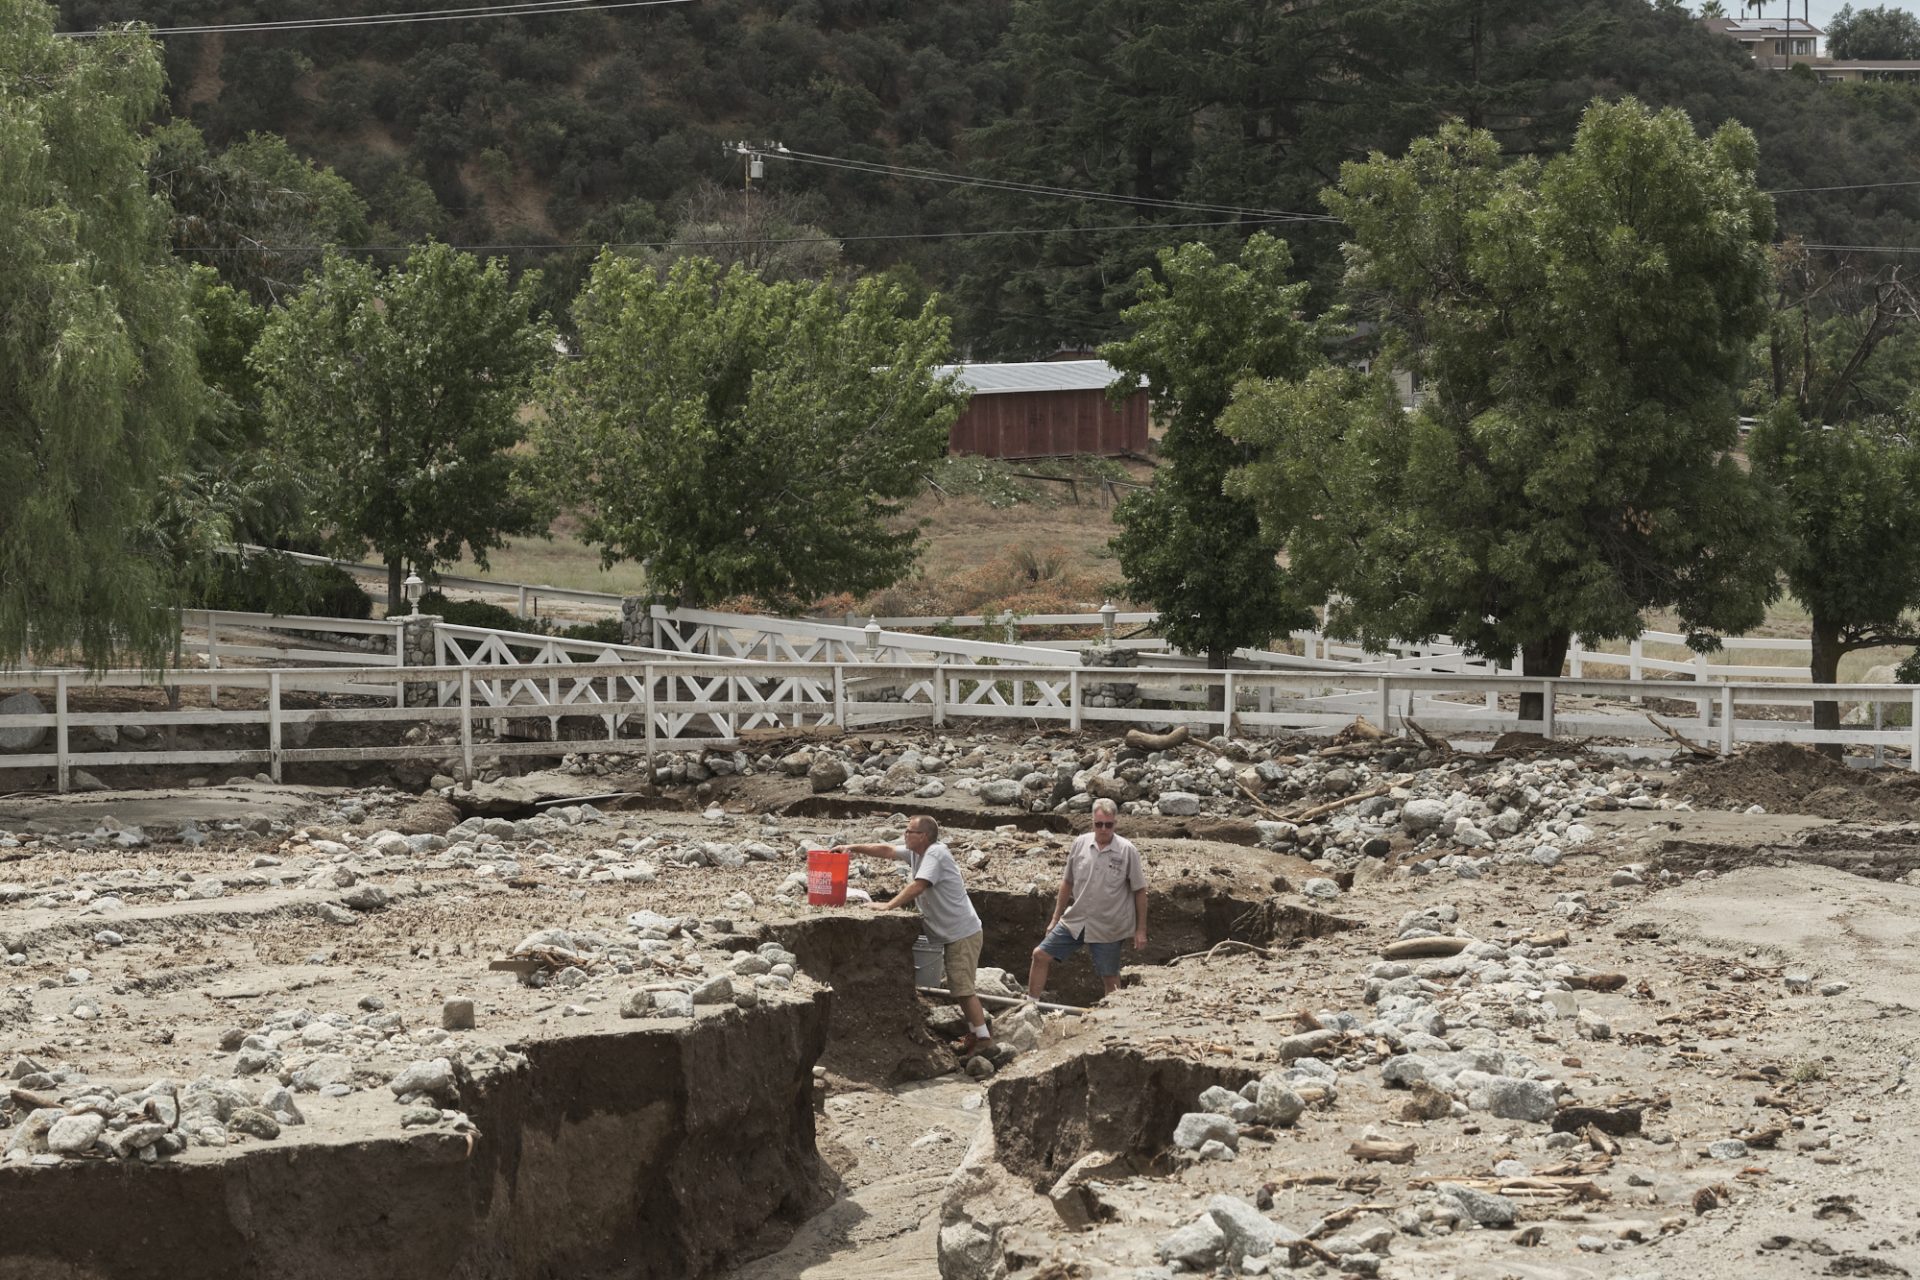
(1825, 664)
(1217, 660)
(396, 592)
(1543, 656)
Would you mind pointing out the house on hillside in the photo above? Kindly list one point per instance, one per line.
(1780, 44)
(1046, 409)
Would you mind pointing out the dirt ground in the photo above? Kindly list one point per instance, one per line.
(1766, 965)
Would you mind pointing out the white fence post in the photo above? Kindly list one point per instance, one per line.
(61, 763)
(1073, 700)
(939, 696)
(1633, 666)
(1385, 707)
(647, 699)
(273, 725)
(1726, 719)
(1574, 656)
(840, 696)
(1226, 704)
(466, 728)
(213, 658)
(1546, 708)
(1879, 723)
(1913, 748)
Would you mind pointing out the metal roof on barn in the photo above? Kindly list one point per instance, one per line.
(1047, 375)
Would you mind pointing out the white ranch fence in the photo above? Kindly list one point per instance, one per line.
(680, 703)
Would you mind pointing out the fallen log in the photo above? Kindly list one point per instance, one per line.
(1322, 810)
(1382, 1150)
(1425, 948)
(1141, 740)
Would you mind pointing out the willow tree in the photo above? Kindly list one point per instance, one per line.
(1580, 326)
(98, 389)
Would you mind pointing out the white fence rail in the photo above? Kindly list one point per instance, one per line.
(633, 706)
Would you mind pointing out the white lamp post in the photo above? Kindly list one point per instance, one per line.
(411, 589)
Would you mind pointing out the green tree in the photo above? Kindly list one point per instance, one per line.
(1844, 464)
(1879, 33)
(98, 392)
(256, 213)
(405, 388)
(1579, 326)
(746, 438)
(1194, 552)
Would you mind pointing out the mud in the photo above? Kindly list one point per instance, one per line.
(1785, 778)
(633, 1154)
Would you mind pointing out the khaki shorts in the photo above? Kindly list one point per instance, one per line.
(963, 958)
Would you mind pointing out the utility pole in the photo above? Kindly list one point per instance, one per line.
(753, 165)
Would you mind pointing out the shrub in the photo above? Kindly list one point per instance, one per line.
(471, 613)
(274, 583)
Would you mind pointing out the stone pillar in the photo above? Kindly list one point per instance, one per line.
(420, 648)
(636, 622)
(1110, 695)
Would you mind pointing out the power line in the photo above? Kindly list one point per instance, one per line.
(520, 9)
(1863, 248)
(739, 240)
(1030, 188)
(1852, 186)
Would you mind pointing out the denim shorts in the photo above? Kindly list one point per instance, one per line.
(1061, 944)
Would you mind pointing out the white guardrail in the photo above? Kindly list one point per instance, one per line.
(678, 703)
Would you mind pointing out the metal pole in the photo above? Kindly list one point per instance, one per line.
(1005, 1001)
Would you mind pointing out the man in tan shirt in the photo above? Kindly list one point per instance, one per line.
(1102, 902)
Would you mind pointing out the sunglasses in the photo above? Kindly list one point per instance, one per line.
(1103, 824)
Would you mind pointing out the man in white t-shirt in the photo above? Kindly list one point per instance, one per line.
(1102, 903)
(946, 913)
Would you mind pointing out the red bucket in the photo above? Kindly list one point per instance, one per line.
(826, 878)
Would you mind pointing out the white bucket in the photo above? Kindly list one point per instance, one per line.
(929, 962)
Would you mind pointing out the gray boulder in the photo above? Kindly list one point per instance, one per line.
(1178, 804)
(22, 739)
(1249, 1233)
(1421, 816)
(1513, 1099)
(1483, 1207)
(1197, 1127)
(1197, 1246)
(826, 775)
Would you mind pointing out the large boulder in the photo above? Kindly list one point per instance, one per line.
(17, 738)
(826, 775)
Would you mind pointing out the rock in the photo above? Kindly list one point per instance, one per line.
(18, 739)
(457, 1015)
(417, 1117)
(429, 815)
(1308, 1044)
(1198, 1127)
(135, 1138)
(1420, 816)
(433, 1077)
(81, 780)
(1197, 1246)
(1321, 888)
(73, 1135)
(1799, 984)
(1178, 804)
(636, 1004)
(795, 764)
(365, 897)
(1248, 1232)
(715, 990)
(1000, 791)
(1276, 1104)
(1727, 1149)
(254, 1122)
(826, 775)
(968, 1251)
(1485, 1208)
(1511, 1098)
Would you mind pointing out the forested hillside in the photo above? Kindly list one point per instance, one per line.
(1211, 118)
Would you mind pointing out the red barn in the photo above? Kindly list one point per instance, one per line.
(1048, 409)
